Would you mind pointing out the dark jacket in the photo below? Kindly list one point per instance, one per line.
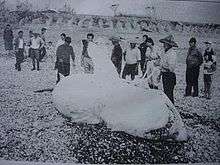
(8, 35)
(117, 54)
(63, 54)
(143, 48)
(194, 58)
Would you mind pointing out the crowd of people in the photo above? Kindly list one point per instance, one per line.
(155, 65)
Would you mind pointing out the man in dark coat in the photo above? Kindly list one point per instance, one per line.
(8, 38)
(143, 48)
(63, 54)
(193, 62)
(19, 50)
(116, 56)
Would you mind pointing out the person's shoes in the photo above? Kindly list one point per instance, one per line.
(19, 69)
(186, 95)
(38, 69)
(16, 67)
(33, 69)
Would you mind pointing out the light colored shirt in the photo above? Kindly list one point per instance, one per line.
(132, 56)
(168, 61)
(36, 43)
(21, 43)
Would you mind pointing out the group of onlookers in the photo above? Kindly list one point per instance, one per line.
(154, 64)
(36, 44)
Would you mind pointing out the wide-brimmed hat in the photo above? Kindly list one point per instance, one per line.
(208, 42)
(169, 40)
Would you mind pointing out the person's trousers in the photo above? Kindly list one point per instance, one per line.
(35, 55)
(207, 85)
(169, 82)
(42, 53)
(142, 63)
(63, 69)
(19, 58)
(129, 69)
(29, 52)
(192, 76)
(117, 65)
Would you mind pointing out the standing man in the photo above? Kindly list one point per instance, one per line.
(168, 65)
(193, 62)
(132, 57)
(36, 43)
(143, 48)
(43, 46)
(19, 50)
(63, 54)
(8, 38)
(116, 56)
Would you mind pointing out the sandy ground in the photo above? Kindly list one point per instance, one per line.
(31, 129)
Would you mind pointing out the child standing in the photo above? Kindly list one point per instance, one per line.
(209, 69)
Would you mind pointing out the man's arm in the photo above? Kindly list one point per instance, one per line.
(4, 35)
(72, 54)
(124, 55)
(57, 59)
(16, 43)
(200, 57)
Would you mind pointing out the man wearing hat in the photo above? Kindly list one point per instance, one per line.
(63, 54)
(168, 65)
(132, 58)
(194, 60)
(116, 56)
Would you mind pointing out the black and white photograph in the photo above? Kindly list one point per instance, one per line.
(109, 82)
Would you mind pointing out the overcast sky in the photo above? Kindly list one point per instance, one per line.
(189, 11)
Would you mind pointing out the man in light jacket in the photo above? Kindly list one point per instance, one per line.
(168, 65)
